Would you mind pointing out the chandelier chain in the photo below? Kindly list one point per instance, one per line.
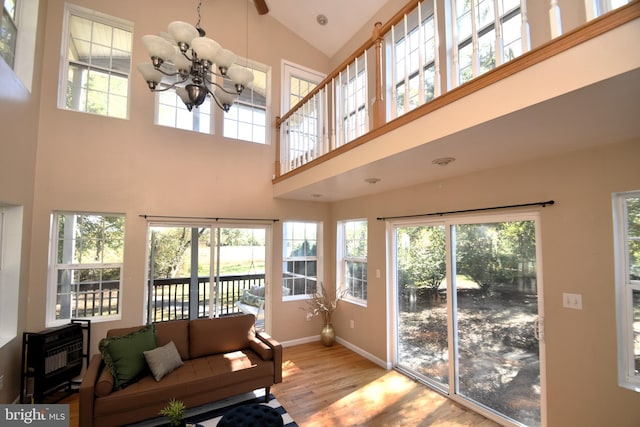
(198, 9)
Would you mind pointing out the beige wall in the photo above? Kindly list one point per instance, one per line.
(577, 257)
(90, 163)
(18, 144)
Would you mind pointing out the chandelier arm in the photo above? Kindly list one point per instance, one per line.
(172, 85)
(221, 87)
(222, 107)
(177, 73)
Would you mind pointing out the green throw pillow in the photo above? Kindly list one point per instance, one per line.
(124, 355)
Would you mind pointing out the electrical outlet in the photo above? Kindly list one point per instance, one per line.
(573, 301)
(352, 324)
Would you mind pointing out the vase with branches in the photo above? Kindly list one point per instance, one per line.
(321, 304)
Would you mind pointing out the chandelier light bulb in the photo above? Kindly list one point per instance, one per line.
(185, 59)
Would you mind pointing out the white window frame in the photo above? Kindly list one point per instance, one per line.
(13, 22)
(292, 71)
(100, 18)
(305, 130)
(11, 219)
(597, 8)
(628, 375)
(343, 258)
(55, 267)
(317, 258)
(352, 107)
(228, 118)
(196, 116)
(495, 24)
(414, 24)
(24, 55)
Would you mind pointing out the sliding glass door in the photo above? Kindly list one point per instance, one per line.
(205, 270)
(467, 312)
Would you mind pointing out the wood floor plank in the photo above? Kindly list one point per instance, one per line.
(333, 386)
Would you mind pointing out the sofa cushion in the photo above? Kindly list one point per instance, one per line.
(251, 299)
(176, 331)
(163, 360)
(104, 385)
(124, 356)
(220, 335)
(261, 349)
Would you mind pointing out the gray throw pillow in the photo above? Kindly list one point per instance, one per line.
(163, 360)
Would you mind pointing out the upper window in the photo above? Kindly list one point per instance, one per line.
(171, 111)
(352, 259)
(626, 209)
(414, 60)
(86, 266)
(351, 92)
(487, 33)
(597, 8)
(94, 75)
(8, 32)
(247, 118)
(300, 260)
(305, 126)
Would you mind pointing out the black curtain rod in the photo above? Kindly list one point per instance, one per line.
(543, 204)
(206, 218)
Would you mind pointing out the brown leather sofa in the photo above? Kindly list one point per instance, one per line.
(221, 357)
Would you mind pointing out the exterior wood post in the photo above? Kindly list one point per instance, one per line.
(379, 116)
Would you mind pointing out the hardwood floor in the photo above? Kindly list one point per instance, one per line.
(333, 386)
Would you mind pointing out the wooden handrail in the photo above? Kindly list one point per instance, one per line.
(571, 39)
(363, 48)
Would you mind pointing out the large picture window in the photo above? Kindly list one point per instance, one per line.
(626, 209)
(247, 118)
(352, 259)
(300, 245)
(8, 31)
(87, 252)
(95, 73)
(413, 47)
(487, 33)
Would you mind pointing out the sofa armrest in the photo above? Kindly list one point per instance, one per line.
(276, 347)
(87, 390)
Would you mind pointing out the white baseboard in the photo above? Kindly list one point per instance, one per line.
(300, 341)
(383, 364)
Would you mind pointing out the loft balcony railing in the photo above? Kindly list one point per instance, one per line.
(405, 80)
(170, 298)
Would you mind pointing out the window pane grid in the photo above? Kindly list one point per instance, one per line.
(627, 257)
(495, 27)
(99, 64)
(89, 254)
(300, 262)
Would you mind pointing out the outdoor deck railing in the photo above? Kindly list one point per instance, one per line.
(170, 298)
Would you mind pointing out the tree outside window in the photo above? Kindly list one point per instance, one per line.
(86, 269)
(626, 209)
(352, 259)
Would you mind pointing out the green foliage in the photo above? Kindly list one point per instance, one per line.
(487, 254)
(423, 264)
(174, 411)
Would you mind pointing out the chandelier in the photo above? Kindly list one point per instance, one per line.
(194, 65)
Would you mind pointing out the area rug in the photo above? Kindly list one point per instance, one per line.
(211, 418)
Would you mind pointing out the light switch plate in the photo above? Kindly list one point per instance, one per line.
(573, 301)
